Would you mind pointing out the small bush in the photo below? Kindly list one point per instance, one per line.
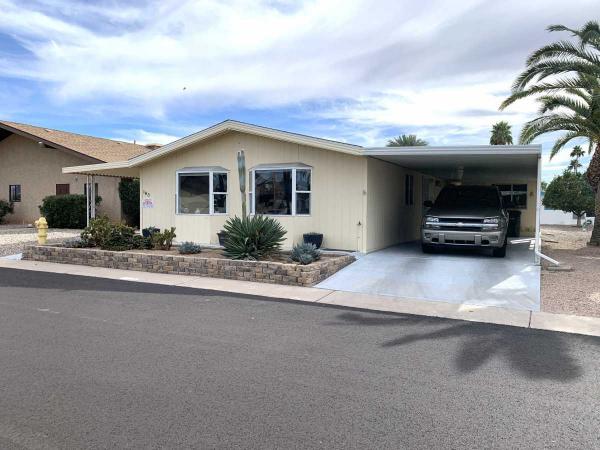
(253, 237)
(142, 243)
(111, 236)
(189, 248)
(5, 209)
(305, 253)
(97, 232)
(163, 240)
(76, 243)
(120, 238)
(65, 211)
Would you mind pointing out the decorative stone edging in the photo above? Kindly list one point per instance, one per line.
(261, 271)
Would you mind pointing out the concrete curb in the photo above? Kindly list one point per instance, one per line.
(486, 314)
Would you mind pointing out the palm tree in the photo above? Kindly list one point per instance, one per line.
(574, 165)
(565, 79)
(407, 140)
(501, 134)
(576, 153)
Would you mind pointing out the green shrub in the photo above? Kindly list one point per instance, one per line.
(97, 232)
(65, 211)
(163, 240)
(189, 248)
(120, 238)
(141, 243)
(129, 194)
(5, 209)
(253, 237)
(305, 253)
(112, 236)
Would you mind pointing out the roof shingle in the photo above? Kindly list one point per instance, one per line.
(105, 150)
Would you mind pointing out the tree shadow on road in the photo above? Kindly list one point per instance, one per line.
(536, 354)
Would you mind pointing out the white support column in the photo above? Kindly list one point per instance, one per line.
(538, 208)
(87, 200)
(92, 197)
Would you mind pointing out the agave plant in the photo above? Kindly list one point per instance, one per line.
(253, 238)
(305, 253)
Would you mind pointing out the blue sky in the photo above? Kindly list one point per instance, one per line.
(352, 70)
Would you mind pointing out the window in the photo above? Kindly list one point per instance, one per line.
(63, 189)
(14, 193)
(85, 186)
(514, 195)
(280, 191)
(409, 190)
(201, 191)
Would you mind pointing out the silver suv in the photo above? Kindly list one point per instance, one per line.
(466, 216)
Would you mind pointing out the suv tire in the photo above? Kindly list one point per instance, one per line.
(427, 248)
(500, 252)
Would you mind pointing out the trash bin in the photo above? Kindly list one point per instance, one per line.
(514, 223)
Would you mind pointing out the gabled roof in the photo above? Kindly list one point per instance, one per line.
(233, 125)
(100, 149)
(210, 132)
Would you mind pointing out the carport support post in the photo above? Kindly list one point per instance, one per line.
(93, 197)
(87, 200)
(538, 207)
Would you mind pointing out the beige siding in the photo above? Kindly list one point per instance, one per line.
(528, 214)
(389, 220)
(338, 189)
(38, 170)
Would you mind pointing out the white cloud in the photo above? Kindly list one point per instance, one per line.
(439, 68)
(144, 137)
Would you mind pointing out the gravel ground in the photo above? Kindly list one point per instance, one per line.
(576, 292)
(14, 238)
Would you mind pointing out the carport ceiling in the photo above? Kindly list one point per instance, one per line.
(477, 161)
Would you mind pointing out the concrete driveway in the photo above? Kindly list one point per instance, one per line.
(466, 276)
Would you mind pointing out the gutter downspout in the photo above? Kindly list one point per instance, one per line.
(538, 234)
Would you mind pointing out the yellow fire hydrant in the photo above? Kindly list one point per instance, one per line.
(42, 227)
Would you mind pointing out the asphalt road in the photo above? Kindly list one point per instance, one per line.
(93, 363)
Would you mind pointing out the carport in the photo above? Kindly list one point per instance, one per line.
(470, 277)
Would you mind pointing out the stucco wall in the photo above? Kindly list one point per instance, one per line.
(38, 170)
(338, 208)
(389, 220)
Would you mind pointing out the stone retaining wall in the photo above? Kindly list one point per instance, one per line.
(262, 271)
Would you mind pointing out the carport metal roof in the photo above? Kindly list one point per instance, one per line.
(443, 162)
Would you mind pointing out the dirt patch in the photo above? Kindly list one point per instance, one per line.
(576, 292)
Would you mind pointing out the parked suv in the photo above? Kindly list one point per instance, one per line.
(466, 216)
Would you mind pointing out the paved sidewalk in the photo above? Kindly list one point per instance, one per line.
(486, 314)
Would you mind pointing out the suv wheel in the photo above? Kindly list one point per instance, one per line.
(500, 252)
(427, 248)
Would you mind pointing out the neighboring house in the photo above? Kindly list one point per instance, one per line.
(31, 162)
(360, 198)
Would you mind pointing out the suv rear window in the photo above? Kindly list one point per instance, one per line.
(465, 196)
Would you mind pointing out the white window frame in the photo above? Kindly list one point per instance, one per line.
(252, 189)
(512, 193)
(211, 193)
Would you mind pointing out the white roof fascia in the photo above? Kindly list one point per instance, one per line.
(455, 150)
(97, 167)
